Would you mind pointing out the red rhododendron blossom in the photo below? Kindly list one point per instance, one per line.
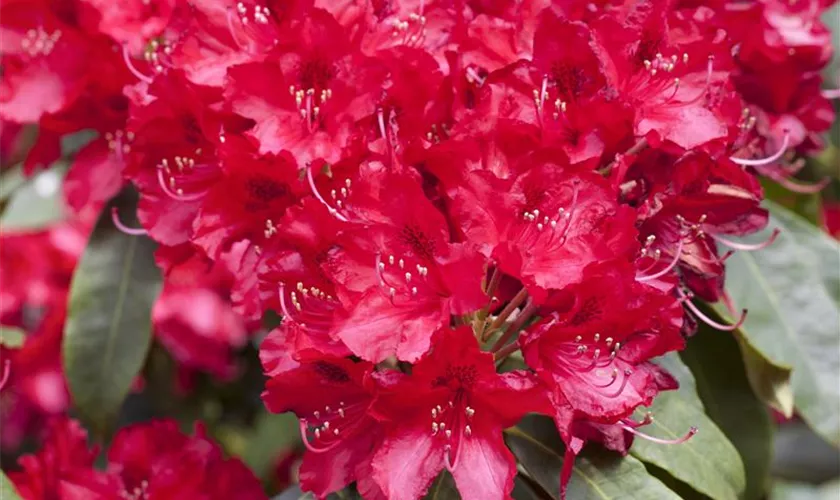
(431, 217)
(332, 398)
(154, 460)
(450, 413)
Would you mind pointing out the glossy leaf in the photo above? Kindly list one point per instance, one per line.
(7, 489)
(597, 474)
(794, 320)
(707, 462)
(108, 329)
(722, 385)
(768, 380)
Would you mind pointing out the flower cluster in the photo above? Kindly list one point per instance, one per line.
(463, 211)
(153, 460)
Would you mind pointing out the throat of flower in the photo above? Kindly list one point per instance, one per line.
(451, 425)
(325, 429)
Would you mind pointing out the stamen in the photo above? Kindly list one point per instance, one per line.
(320, 198)
(115, 218)
(691, 432)
(797, 187)
(233, 31)
(130, 65)
(746, 162)
(305, 438)
(172, 194)
(831, 93)
(747, 247)
(667, 268)
(709, 321)
(7, 370)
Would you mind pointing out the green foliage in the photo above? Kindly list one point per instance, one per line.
(791, 292)
(7, 489)
(108, 329)
(721, 381)
(707, 462)
(597, 474)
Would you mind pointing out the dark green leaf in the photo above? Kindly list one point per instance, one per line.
(7, 489)
(443, 488)
(597, 474)
(37, 202)
(794, 316)
(108, 329)
(722, 385)
(707, 462)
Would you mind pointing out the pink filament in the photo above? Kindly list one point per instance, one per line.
(709, 321)
(800, 188)
(233, 30)
(311, 180)
(7, 370)
(831, 93)
(134, 71)
(173, 194)
(115, 218)
(691, 432)
(746, 247)
(746, 162)
(305, 438)
(667, 268)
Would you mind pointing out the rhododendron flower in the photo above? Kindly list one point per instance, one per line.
(145, 461)
(450, 413)
(460, 212)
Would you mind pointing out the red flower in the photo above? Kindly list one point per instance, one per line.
(551, 223)
(155, 460)
(593, 352)
(331, 397)
(450, 413)
(307, 93)
(132, 23)
(44, 57)
(63, 468)
(398, 275)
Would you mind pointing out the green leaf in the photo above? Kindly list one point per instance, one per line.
(7, 489)
(794, 314)
(707, 462)
(443, 488)
(108, 328)
(597, 473)
(770, 382)
(37, 202)
(272, 434)
(12, 336)
(722, 385)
